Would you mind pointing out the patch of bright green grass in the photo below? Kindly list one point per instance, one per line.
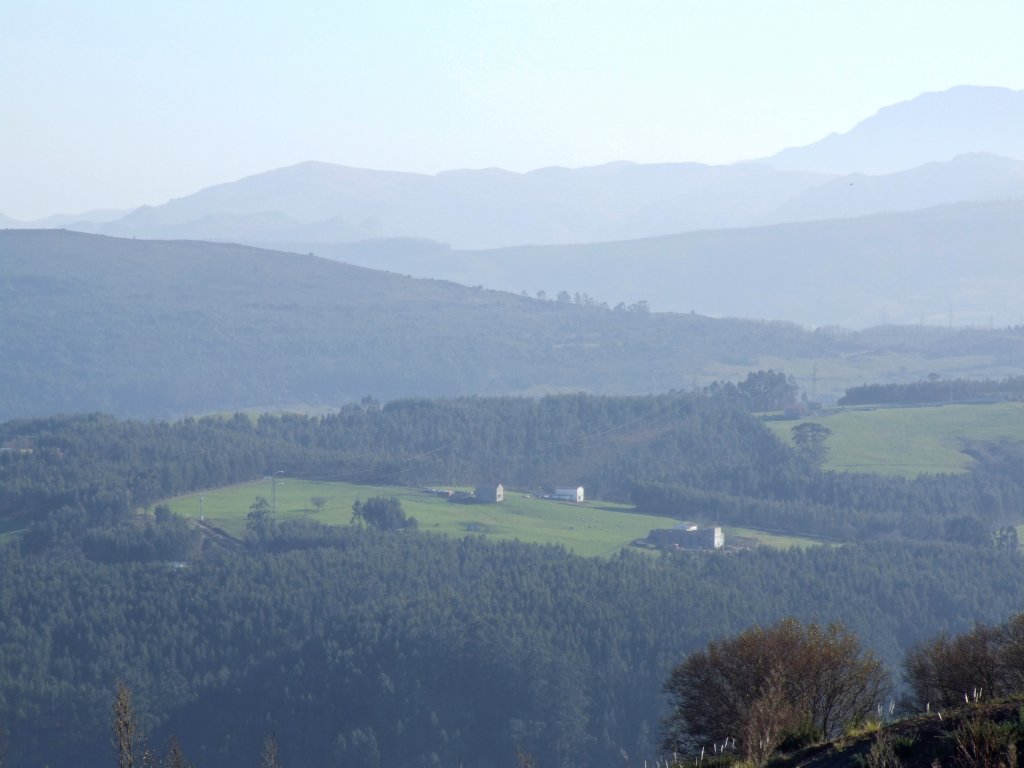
(911, 441)
(592, 529)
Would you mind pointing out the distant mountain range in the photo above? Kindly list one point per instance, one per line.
(932, 127)
(154, 328)
(777, 239)
(471, 209)
(962, 145)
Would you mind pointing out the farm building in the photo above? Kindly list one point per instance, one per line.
(490, 493)
(687, 538)
(569, 494)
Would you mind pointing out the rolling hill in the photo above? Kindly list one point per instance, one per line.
(955, 264)
(908, 441)
(152, 328)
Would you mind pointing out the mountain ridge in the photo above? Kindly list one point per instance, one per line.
(908, 156)
(964, 118)
(893, 267)
(167, 328)
(484, 209)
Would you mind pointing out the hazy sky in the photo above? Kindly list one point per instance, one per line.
(106, 103)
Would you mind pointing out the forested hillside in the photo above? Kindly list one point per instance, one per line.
(366, 649)
(369, 648)
(699, 457)
(149, 329)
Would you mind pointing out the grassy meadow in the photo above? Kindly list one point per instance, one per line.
(914, 440)
(592, 529)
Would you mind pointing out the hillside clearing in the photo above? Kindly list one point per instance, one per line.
(912, 440)
(592, 529)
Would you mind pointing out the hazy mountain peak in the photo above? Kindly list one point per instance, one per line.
(935, 126)
(314, 202)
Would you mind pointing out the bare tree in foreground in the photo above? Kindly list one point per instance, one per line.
(269, 758)
(769, 683)
(124, 726)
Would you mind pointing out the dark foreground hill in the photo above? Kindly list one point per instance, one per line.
(161, 328)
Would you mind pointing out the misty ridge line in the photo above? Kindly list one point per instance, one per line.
(615, 200)
(931, 244)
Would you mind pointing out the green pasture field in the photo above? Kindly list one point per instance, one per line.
(913, 440)
(595, 528)
(828, 378)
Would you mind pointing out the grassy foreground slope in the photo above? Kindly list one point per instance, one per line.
(913, 440)
(151, 328)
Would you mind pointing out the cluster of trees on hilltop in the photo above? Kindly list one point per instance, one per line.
(934, 389)
(760, 391)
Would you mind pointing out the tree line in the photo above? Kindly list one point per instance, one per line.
(697, 456)
(934, 389)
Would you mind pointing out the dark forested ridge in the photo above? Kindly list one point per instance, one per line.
(148, 328)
